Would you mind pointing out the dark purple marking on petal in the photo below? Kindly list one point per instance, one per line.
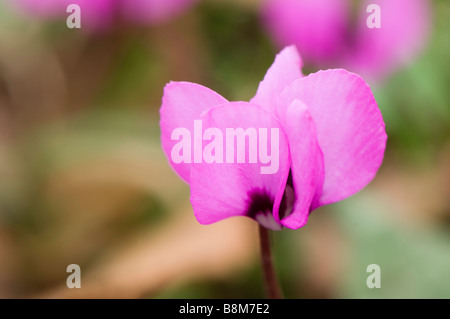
(259, 201)
(260, 207)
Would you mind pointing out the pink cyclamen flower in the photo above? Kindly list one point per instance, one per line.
(331, 143)
(328, 34)
(100, 14)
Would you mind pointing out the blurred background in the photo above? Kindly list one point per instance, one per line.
(83, 179)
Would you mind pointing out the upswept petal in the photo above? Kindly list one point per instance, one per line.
(350, 129)
(306, 164)
(222, 190)
(285, 69)
(182, 103)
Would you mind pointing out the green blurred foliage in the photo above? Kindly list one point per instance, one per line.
(414, 260)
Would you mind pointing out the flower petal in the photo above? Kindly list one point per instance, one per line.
(222, 190)
(306, 163)
(317, 27)
(285, 69)
(402, 33)
(350, 129)
(182, 103)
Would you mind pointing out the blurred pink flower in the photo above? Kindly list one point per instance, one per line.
(317, 27)
(331, 143)
(154, 11)
(100, 14)
(329, 35)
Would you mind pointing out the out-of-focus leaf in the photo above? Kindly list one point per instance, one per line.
(414, 260)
